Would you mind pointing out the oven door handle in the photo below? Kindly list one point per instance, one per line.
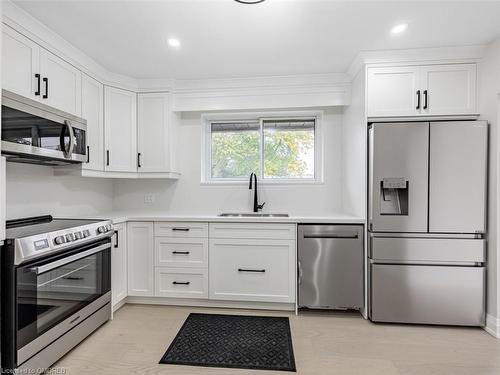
(61, 262)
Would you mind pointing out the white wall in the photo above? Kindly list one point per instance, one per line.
(489, 90)
(34, 190)
(354, 147)
(187, 195)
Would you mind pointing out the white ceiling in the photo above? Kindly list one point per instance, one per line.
(222, 38)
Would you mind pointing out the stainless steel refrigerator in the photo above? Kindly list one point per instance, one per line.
(427, 222)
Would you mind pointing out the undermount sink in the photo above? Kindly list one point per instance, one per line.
(250, 214)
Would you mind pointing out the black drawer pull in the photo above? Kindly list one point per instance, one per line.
(251, 270)
(73, 278)
(180, 229)
(418, 99)
(37, 92)
(46, 81)
(425, 99)
(181, 283)
(181, 252)
(116, 240)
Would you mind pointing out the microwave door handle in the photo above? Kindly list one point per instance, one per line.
(67, 152)
(61, 262)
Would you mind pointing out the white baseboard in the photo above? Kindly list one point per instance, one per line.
(210, 303)
(492, 326)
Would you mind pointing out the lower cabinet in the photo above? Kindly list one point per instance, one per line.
(181, 282)
(119, 264)
(252, 270)
(249, 262)
(140, 259)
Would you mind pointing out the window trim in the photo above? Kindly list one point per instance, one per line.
(206, 154)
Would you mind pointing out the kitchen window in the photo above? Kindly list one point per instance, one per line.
(276, 149)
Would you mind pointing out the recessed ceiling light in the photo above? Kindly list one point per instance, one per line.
(399, 28)
(172, 42)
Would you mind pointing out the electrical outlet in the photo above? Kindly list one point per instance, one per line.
(149, 198)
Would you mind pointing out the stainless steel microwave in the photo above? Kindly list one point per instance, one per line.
(35, 133)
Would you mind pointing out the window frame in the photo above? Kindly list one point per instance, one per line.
(260, 117)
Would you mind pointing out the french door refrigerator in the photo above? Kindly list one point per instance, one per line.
(427, 222)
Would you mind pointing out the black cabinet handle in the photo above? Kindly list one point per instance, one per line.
(46, 81)
(418, 99)
(107, 158)
(181, 283)
(181, 252)
(425, 99)
(138, 160)
(37, 76)
(180, 229)
(251, 270)
(88, 154)
(116, 239)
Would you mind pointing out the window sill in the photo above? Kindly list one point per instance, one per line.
(263, 183)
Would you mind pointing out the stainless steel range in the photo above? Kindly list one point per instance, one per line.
(55, 288)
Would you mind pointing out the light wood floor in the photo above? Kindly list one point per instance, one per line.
(324, 343)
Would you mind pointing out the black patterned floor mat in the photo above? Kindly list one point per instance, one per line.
(236, 341)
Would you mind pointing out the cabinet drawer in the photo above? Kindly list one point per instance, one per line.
(253, 230)
(181, 282)
(181, 229)
(427, 249)
(427, 294)
(181, 252)
(256, 270)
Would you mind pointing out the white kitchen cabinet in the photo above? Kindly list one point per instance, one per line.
(154, 145)
(61, 83)
(140, 259)
(181, 252)
(20, 63)
(119, 264)
(32, 71)
(3, 178)
(252, 269)
(181, 229)
(447, 90)
(181, 282)
(120, 129)
(93, 112)
(393, 91)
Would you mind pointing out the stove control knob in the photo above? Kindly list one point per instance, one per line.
(59, 240)
(70, 237)
(86, 233)
(101, 229)
(78, 235)
(108, 227)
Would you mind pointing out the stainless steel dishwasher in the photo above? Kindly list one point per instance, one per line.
(330, 267)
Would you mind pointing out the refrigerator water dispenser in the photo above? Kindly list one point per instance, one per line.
(394, 196)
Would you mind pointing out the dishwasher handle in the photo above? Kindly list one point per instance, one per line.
(352, 236)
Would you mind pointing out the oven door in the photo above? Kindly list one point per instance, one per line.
(56, 294)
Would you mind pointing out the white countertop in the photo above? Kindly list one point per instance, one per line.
(123, 216)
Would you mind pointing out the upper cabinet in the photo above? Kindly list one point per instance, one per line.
(154, 127)
(93, 112)
(419, 91)
(392, 91)
(20, 64)
(32, 71)
(61, 83)
(120, 124)
(448, 89)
